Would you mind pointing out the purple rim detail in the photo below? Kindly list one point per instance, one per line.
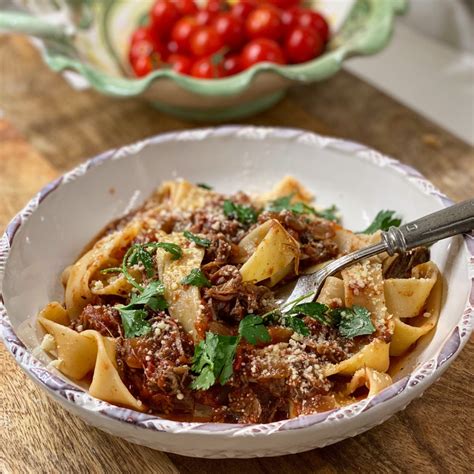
(80, 397)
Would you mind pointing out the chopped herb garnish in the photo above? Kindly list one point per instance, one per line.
(354, 321)
(140, 254)
(284, 203)
(196, 278)
(213, 360)
(201, 241)
(252, 329)
(382, 221)
(134, 322)
(330, 213)
(133, 315)
(204, 186)
(350, 322)
(294, 322)
(174, 249)
(111, 270)
(314, 310)
(151, 296)
(143, 253)
(244, 214)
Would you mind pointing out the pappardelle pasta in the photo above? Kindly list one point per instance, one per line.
(172, 310)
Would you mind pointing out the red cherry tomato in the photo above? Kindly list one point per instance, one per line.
(310, 19)
(142, 33)
(164, 15)
(289, 18)
(303, 44)
(180, 63)
(182, 32)
(205, 68)
(142, 66)
(230, 29)
(140, 48)
(284, 3)
(171, 47)
(186, 7)
(205, 41)
(204, 17)
(215, 6)
(233, 65)
(261, 50)
(264, 22)
(243, 8)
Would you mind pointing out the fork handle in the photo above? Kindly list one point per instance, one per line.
(453, 220)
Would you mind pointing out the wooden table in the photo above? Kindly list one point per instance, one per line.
(47, 128)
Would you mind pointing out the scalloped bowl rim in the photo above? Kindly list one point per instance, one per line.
(70, 394)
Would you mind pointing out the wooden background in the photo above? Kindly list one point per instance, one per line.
(47, 128)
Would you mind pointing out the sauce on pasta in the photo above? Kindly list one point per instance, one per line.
(172, 309)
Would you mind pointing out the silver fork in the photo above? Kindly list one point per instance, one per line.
(453, 220)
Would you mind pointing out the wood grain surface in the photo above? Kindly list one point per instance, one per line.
(48, 128)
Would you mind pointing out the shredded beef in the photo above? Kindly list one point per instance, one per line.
(231, 299)
(156, 367)
(104, 319)
(326, 342)
(314, 235)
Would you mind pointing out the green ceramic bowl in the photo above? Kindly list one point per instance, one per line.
(90, 38)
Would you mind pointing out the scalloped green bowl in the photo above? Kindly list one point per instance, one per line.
(90, 38)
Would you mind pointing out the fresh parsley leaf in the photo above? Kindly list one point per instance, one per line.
(133, 315)
(201, 241)
(196, 278)
(330, 213)
(133, 321)
(204, 186)
(294, 322)
(244, 214)
(302, 208)
(174, 249)
(314, 310)
(382, 221)
(284, 203)
(252, 329)
(213, 360)
(280, 204)
(111, 270)
(139, 254)
(355, 321)
(143, 253)
(206, 379)
(224, 365)
(151, 296)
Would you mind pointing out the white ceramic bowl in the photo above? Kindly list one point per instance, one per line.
(53, 228)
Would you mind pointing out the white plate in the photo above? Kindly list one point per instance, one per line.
(54, 227)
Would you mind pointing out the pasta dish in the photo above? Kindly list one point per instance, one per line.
(173, 309)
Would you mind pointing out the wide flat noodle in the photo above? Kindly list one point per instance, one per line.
(332, 292)
(406, 297)
(374, 355)
(364, 286)
(275, 254)
(184, 300)
(78, 293)
(410, 330)
(374, 380)
(287, 186)
(79, 354)
(184, 195)
(76, 355)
